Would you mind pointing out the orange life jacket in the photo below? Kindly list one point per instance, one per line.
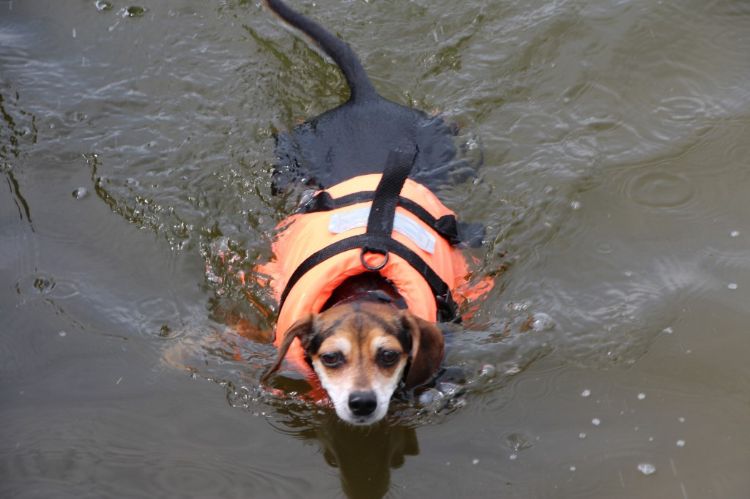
(337, 218)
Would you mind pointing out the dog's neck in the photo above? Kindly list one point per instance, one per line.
(369, 286)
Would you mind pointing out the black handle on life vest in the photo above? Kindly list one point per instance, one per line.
(384, 202)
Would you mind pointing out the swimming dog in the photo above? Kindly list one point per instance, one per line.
(366, 267)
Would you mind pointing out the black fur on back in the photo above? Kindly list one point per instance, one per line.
(355, 138)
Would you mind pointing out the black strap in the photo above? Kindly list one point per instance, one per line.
(447, 308)
(383, 208)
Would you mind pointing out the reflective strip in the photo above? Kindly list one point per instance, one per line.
(356, 219)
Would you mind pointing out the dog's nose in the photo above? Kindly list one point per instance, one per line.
(362, 403)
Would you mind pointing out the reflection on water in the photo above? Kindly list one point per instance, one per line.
(363, 456)
(614, 140)
(365, 474)
(17, 129)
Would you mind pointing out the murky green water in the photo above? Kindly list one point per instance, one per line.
(135, 152)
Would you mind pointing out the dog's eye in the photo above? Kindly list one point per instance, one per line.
(387, 358)
(332, 359)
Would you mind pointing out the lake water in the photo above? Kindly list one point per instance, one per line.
(610, 360)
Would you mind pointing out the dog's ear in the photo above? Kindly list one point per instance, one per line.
(427, 348)
(302, 329)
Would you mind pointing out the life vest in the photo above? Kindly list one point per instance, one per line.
(332, 237)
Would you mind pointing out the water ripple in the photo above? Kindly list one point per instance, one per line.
(661, 189)
(92, 454)
(42, 285)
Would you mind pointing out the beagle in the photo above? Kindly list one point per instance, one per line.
(362, 351)
(365, 268)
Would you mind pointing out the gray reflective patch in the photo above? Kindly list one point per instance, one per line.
(404, 225)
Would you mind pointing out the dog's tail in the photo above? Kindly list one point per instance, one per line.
(359, 84)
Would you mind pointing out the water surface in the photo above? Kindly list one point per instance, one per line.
(610, 360)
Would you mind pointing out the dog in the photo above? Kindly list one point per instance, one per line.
(367, 267)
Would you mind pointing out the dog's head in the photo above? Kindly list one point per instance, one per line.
(361, 352)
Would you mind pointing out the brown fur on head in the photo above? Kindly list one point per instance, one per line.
(361, 351)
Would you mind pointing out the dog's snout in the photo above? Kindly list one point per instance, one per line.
(362, 403)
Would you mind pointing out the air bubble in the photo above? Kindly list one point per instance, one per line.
(449, 389)
(542, 322)
(647, 468)
(430, 396)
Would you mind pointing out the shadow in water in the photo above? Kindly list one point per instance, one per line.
(364, 456)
